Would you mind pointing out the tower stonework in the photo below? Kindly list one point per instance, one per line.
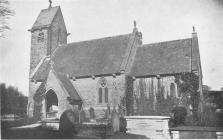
(47, 33)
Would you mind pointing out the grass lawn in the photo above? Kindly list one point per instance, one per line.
(46, 133)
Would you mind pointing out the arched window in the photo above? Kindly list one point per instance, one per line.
(103, 94)
(106, 95)
(172, 90)
(40, 37)
(58, 36)
(100, 95)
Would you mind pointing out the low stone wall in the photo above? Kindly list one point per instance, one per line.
(196, 132)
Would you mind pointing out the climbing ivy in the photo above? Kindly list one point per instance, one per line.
(129, 95)
(188, 84)
(38, 97)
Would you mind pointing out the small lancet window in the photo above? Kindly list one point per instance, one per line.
(106, 95)
(40, 37)
(172, 90)
(100, 95)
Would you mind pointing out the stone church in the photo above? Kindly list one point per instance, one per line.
(118, 72)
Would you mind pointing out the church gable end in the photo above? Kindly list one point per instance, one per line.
(53, 82)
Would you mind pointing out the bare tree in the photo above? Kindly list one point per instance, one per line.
(5, 14)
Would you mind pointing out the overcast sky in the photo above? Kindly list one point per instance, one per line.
(158, 20)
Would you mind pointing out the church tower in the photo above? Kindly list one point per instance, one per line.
(47, 33)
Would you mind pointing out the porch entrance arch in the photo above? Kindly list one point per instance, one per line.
(51, 104)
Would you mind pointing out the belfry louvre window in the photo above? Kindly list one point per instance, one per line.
(40, 37)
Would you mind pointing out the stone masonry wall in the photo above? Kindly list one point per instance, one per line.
(38, 49)
(88, 90)
(32, 89)
(38, 52)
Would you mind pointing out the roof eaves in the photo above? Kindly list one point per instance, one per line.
(154, 75)
(39, 27)
(89, 76)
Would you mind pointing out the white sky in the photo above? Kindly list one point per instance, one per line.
(158, 20)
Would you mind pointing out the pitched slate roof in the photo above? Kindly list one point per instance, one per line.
(42, 70)
(45, 17)
(163, 58)
(68, 86)
(93, 57)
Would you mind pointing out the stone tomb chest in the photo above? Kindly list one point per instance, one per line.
(149, 126)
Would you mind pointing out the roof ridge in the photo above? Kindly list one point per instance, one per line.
(50, 8)
(168, 41)
(96, 39)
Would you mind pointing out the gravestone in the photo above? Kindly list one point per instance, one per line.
(68, 124)
(115, 121)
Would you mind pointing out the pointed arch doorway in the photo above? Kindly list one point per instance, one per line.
(51, 104)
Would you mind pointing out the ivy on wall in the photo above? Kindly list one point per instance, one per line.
(38, 97)
(188, 84)
(165, 106)
(129, 95)
(154, 102)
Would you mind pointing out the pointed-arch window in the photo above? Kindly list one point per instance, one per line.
(58, 36)
(106, 95)
(100, 95)
(103, 94)
(172, 90)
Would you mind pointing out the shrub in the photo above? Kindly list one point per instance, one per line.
(179, 115)
(123, 125)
